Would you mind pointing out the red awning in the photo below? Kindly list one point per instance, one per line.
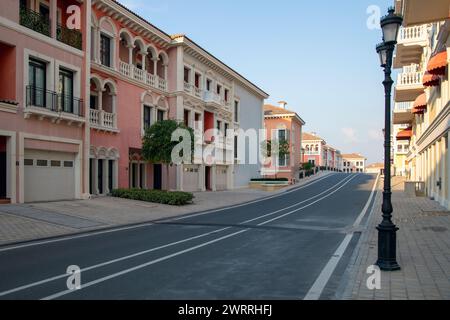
(418, 111)
(438, 63)
(421, 102)
(405, 134)
(430, 80)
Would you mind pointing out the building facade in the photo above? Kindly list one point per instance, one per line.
(353, 163)
(43, 117)
(423, 88)
(319, 153)
(284, 125)
(75, 103)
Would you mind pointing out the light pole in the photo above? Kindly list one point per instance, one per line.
(387, 238)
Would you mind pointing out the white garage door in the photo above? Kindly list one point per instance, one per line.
(221, 178)
(191, 178)
(49, 176)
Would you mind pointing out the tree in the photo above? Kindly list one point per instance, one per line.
(157, 144)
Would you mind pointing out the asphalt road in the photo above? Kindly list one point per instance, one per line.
(292, 246)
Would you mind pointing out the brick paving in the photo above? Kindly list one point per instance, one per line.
(423, 252)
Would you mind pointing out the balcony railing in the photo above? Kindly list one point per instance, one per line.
(413, 34)
(70, 37)
(102, 119)
(410, 79)
(404, 106)
(35, 21)
(131, 71)
(53, 101)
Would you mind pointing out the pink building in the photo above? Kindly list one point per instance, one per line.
(319, 153)
(75, 103)
(43, 149)
(287, 125)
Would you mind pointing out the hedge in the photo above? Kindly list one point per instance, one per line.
(155, 196)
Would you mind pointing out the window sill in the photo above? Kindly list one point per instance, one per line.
(8, 107)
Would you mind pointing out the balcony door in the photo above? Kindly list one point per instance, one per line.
(65, 91)
(37, 82)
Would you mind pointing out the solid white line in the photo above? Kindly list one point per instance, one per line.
(253, 201)
(115, 275)
(95, 233)
(85, 235)
(34, 284)
(4, 293)
(319, 285)
(298, 203)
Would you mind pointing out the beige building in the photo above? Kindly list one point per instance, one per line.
(354, 163)
(422, 96)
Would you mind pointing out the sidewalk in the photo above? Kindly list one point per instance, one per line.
(27, 222)
(423, 252)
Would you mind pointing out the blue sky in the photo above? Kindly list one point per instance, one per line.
(318, 56)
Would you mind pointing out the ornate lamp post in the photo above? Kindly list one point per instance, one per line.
(387, 238)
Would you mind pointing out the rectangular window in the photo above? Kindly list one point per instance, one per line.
(147, 117)
(282, 160)
(187, 73)
(226, 129)
(226, 94)
(160, 115)
(197, 80)
(42, 163)
(37, 78)
(219, 89)
(93, 102)
(68, 164)
(28, 162)
(208, 84)
(282, 135)
(235, 147)
(55, 163)
(186, 117)
(105, 50)
(65, 91)
(236, 111)
(219, 125)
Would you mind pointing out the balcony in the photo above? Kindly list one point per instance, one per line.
(103, 121)
(131, 71)
(70, 37)
(53, 105)
(34, 21)
(411, 42)
(409, 84)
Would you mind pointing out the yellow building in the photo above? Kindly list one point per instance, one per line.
(422, 96)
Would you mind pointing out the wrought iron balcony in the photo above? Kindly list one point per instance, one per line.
(53, 101)
(70, 37)
(35, 21)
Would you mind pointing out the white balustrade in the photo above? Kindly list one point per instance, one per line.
(402, 106)
(102, 119)
(124, 68)
(95, 117)
(410, 79)
(413, 34)
(140, 75)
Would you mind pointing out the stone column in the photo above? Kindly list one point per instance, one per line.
(53, 17)
(105, 164)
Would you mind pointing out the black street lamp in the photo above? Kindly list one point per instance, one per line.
(387, 237)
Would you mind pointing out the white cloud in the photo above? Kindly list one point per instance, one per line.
(349, 135)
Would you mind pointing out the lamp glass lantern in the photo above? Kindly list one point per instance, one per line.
(390, 25)
(382, 50)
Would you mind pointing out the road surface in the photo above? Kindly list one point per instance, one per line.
(292, 246)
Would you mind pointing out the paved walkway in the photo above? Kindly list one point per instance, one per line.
(423, 252)
(43, 220)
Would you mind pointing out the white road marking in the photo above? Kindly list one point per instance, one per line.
(319, 285)
(115, 275)
(24, 287)
(95, 233)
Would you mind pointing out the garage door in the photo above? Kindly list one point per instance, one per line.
(49, 176)
(221, 178)
(191, 178)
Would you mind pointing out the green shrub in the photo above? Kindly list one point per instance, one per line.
(155, 196)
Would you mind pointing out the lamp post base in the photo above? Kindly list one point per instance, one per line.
(387, 253)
